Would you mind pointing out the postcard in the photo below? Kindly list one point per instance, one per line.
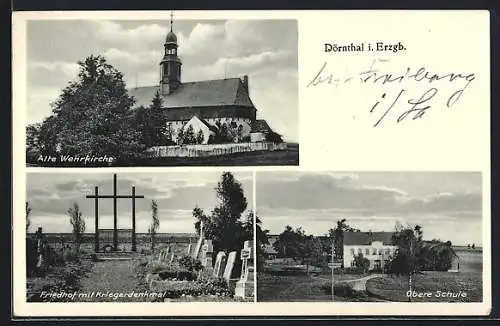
(157, 171)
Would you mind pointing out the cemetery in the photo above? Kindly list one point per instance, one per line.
(119, 265)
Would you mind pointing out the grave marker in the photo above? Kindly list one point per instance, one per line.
(246, 285)
(206, 254)
(231, 258)
(220, 264)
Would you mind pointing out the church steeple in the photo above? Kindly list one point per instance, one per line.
(170, 65)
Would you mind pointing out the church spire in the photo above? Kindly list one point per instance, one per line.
(171, 21)
(170, 65)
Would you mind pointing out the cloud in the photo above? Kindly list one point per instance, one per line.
(325, 191)
(50, 196)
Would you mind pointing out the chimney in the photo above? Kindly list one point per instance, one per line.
(245, 82)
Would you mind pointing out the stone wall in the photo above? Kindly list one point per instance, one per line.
(212, 150)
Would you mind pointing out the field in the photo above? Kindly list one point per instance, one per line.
(277, 283)
(468, 280)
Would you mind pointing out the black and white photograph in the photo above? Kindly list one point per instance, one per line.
(369, 236)
(172, 92)
(140, 237)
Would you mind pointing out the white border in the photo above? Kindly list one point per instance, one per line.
(23, 309)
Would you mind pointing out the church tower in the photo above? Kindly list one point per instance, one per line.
(170, 65)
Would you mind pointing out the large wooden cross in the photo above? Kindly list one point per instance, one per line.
(96, 198)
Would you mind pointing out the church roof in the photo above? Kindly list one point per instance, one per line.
(171, 38)
(208, 125)
(366, 238)
(218, 92)
(260, 126)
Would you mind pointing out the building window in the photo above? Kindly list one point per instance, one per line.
(360, 251)
(388, 252)
(380, 251)
(352, 252)
(367, 252)
(374, 251)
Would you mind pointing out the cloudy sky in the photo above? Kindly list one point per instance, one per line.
(50, 195)
(264, 50)
(447, 205)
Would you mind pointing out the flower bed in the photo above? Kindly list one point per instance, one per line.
(177, 289)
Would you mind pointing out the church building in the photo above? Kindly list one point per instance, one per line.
(205, 106)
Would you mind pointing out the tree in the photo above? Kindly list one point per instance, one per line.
(78, 224)
(408, 259)
(261, 237)
(28, 213)
(361, 263)
(473, 246)
(142, 122)
(200, 137)
(274, 137)
(32, 141)
(224, 226)
(155, 224)
(169, 135)
(158, 121)
(187, 136)
(180, 136)
(291, 243)
(93, 115)
(200, 217)
(336, 236)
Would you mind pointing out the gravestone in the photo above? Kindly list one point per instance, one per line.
(231, 258)
(206, 254)
(220, 264)
(246, 284)
(164, 254)
(197, 249)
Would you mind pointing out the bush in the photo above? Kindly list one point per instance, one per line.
(354, 270)
(214, 286)
(344, 290)
(190, 263)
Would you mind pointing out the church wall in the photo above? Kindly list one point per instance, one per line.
(176, 126)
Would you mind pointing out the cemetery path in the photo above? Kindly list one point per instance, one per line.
(108, 279)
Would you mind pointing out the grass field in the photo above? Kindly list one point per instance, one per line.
(468, 280)
(435, 283)
(277, 283)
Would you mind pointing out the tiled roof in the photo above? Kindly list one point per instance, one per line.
(218, 92)
(366, 238)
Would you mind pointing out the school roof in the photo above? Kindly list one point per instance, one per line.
(366, 238)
